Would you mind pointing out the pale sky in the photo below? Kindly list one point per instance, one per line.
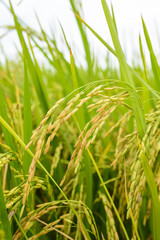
(128, 17)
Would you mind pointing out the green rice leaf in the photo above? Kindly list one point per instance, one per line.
(154, 63)
(64, 35)
(73, 70)
(143, 58)
(8, 137)
(126, 75)
(55, 61)
(97, 35)
(114, 20)
(4, 221)
(146, 95)
(39, 86)
(27, 119)
(84, 40)
(154, 195)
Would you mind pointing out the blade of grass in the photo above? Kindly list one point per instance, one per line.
(146, 94)
(73, 71)
(8, 137)
(27, 119)
(98, 36)
(154, 63)
(113, 17)
(4, 221)
(143, 58)
(152, 91)
(56, 62)
(126, 75)
(41, 50)
(64, 35)
(38, 71)
(9, 142)
(21, 229)
(154, 195)
(77, 81)
(19, 110)
(84, 40)
(40, 89)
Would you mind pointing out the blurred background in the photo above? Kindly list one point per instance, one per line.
(51, 12)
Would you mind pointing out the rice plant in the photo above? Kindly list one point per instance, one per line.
(79, 147)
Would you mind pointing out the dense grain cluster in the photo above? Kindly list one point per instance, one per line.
(88, 167)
